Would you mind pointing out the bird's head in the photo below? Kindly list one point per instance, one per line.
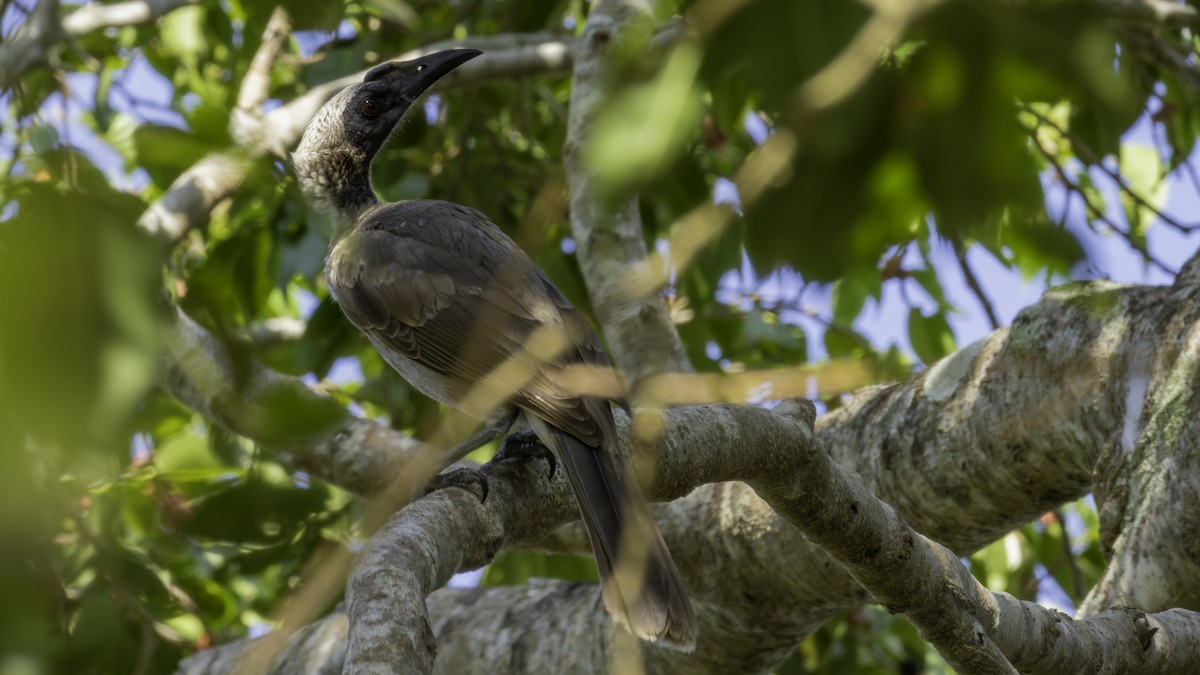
(334, 156)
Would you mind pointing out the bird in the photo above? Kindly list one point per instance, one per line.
(456, 307)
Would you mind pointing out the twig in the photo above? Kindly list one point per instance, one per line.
(1096, 213)
(257, 80)
(1090, 158)
(1069, 556)
(973, 284)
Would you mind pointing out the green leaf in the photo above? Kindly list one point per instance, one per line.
(770, 341)
(279, 512)
(1142, 167)
(928, 279)
(639, 135)
(182, 33)
(852, 291)
(121, 135)
(184, 454)
(1038, 245)
(79, 342)
(43, 138)
(166, 151)
(314, 14)
(930, 336)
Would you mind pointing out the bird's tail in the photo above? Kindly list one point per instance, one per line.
(639, 583)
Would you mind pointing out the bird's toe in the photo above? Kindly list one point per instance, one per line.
(526, 445)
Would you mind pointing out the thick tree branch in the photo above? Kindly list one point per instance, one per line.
(1016, 418)
(1148, 487)
(901, 568)
(611, 247)
(360, 455)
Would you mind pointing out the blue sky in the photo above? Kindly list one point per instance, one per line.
(1109, 256)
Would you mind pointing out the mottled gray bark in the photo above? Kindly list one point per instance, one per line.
(1148, 487)
(982, 442)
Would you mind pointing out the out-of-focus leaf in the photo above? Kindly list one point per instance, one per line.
(121, 135)
(80, 328)
(187, 452)
(182, 33)
(254, 512)
(851, 291)
(393, 10)
(930, 336)
(811, 221)
(328, 336)
(1039, 245)
(43, 138)
(1142, 167)
(165, 151)
(291, 416)
(317, 14)
(640, 133)
(516, 567)
(770, 341)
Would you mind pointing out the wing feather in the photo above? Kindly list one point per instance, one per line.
(440, 285)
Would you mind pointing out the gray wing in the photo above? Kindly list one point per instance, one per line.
(442, 286)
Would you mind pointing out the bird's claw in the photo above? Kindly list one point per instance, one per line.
(471, 480)
(526, 445)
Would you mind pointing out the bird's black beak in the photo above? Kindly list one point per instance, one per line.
(413, 77)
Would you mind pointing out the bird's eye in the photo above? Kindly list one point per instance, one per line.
(369, 108)
(420, 67)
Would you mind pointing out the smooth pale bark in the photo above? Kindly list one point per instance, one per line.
(642, 340)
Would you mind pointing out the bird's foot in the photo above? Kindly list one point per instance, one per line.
(471, 480)
(526, 445)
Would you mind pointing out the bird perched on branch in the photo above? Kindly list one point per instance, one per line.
(458, 309)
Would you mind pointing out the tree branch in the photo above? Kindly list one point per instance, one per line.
(1161, 12)
(257, 80)
(35, 42)
(360, 455)
(1148, 483)
(31, 45)
(1029, 396)
(611, 249)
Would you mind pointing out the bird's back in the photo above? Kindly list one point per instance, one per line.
(445, 289)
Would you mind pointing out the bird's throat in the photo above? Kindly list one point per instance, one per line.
(338, 182)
